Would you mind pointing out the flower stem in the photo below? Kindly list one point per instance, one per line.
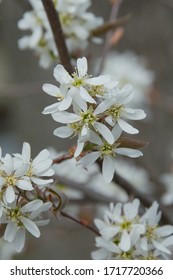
(80, 222)
(55, 24)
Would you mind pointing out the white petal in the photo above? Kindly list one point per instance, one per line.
(10, 194)
(52, 90)
(61, 75)
(19, 240)
(30, 226)
(125, 243)
(51, 108)
(26, 152)
(65, 117)
(136, 115)
(109, 232)
(86, 96)
(44, 154)
(89, 159)
(116, 131)
(100, 80)
(82, 66)
(24, 185)
(94, 138)
(21, 171)
(41, 182)
(10, 232)
(63, 132)
(103, 106)
(31, 206)
(131, 209)
(108, 169)
(105, 132)
(42, 166)
(127, 127)
(161, 247)
(65, 103)
(164, 230)
(79, 149)
(129, 152)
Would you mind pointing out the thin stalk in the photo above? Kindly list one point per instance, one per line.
(58, 34)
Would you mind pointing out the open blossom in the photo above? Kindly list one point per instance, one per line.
(77, 24)
(38, 167)
(114, 106)
(108, 153)
(77, 84)
(82, 123)
(126, 235)
(12, 177)
(19, 219)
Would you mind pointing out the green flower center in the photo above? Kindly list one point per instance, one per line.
(150, 233)
(88, 117)
(10, 180)
(97, 90)
(107, 149)
(115, 111)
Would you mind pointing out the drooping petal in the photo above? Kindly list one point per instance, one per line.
(86, 96)
(10, 194)
(41, 182)
(125, 242)
(127, 127)
(89, 159)
(108, 168)
(79, 149)
(19, 240)
(10, 231)
(104, 131)
(30, 226)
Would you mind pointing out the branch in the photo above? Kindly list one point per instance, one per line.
(55, 24)
(82, 223)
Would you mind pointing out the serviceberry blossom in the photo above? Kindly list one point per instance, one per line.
(38, 167)
(126, 235)
(167, 180)
(114, 107)
(80, 83)
(108, 153)
(77, 24)
(21, 218)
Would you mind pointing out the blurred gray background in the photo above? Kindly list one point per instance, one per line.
(149, 33)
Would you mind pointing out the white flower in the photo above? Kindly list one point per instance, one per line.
(77, 24)
(108, 152)
(114, 106)
(11, 177)
(64, 100)
(23, 218)
(126, 235)
(79, 81)
(40, 166)
(120, 230)
(82, 123)
(127, 68)
(157, 237)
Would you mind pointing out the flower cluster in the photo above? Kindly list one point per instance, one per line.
(124, 234)
(20, 176)
(77, 24)
(100, 114)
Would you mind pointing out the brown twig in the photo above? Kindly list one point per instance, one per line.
(55, 24)
(82, 223)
